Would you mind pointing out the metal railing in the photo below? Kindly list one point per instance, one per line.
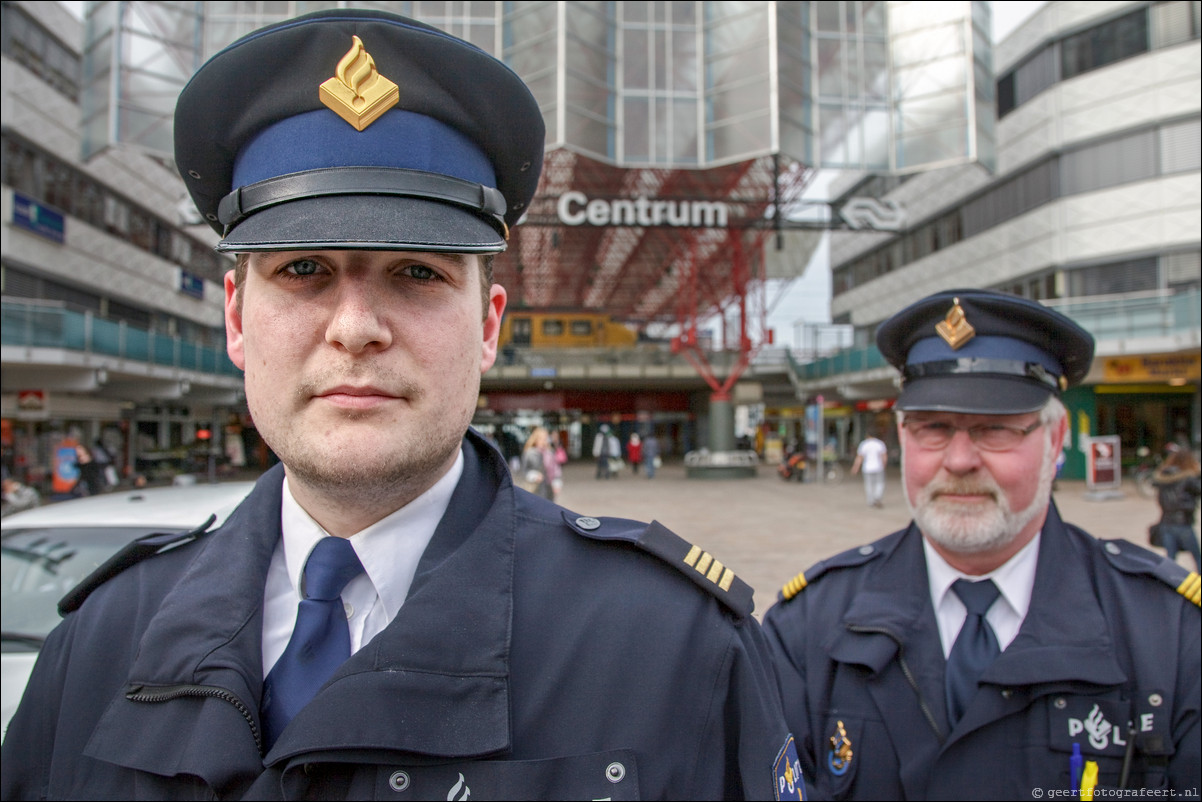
(40, 325)
(1139, 315)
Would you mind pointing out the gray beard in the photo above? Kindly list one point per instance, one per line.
(972, 532)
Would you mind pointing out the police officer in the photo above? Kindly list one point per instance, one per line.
(386, 615)
(989, 650)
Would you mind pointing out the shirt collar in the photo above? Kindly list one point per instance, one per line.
(1015, 578)
(389, 549)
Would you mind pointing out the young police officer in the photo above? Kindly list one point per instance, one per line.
(989, 651)
(385, 615)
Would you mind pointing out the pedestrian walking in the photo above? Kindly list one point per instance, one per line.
(534, 474)
(601, 451)
(556, 457)
(871, 458)
(1178, 486)
(634, 452)
(651, 457)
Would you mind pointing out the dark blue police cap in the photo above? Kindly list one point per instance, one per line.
(982, 352)
(356, 128)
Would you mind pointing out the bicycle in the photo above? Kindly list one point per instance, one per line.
(833, 472)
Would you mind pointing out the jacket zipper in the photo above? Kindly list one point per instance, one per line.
(901, 660)
(165, 693)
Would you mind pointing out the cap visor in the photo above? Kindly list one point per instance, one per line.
(364, 222)
(973, 395)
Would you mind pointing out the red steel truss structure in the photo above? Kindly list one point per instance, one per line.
(656, 273)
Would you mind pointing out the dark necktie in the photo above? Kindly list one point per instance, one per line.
(321, 640)
(975, 647)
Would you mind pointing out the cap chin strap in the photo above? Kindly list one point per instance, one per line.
(396, 181)
(966, 366)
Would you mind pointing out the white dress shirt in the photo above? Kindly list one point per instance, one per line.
(389, 550)
(1015, 579)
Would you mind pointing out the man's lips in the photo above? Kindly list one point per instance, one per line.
(963, 495)
(353, 397)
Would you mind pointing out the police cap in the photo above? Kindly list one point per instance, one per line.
(356, 128)
(983, 352)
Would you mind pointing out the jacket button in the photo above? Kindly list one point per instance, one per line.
(588, 524)
(399, 781)
(615, 772)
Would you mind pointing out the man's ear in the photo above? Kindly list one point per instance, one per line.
(234, 345)
(492, 326)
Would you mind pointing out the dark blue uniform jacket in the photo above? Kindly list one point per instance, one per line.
(538, 655)
(1106, 642)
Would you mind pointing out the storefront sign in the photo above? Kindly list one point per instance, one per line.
(575, 209)
(1151, 368)
(32, 405)
(1104, 468)
(191, 284)
(41, 220)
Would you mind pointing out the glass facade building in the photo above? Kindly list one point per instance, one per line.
(844, 83)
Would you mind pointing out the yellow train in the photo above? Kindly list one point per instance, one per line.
(565, 330)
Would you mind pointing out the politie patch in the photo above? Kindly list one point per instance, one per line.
(787, 770)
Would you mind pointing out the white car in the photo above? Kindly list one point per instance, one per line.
(47, 551)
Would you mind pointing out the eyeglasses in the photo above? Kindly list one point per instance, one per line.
(934, 435)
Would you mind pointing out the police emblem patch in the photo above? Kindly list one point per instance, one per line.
(838, 757)
(787, 770)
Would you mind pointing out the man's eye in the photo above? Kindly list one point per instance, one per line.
(303, 267)
(422, 272)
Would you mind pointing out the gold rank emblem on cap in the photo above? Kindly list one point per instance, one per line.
(955, 328)
(358, 93)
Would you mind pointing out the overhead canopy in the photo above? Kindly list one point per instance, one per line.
(642, 243)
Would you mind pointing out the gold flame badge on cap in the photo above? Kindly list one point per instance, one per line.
(955, 328)
(358, 93)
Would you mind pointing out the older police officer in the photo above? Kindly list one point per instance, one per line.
(989, 650)
(385, 615)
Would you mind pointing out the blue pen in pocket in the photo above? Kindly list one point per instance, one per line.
(1076, 764)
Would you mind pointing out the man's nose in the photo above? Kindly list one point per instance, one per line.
(357, 321)
(961, 454)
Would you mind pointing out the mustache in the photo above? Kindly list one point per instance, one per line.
(962, 487)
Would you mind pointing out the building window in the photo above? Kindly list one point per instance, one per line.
(1116, 278)
(1149, 28)
(49, 180)
(25, 41)
(1104, 44)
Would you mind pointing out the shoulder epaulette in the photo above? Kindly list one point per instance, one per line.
(698, 565)
(1132, 559)
(141, 549)
(847, 559)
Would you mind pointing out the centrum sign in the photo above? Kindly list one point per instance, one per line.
(575, 209)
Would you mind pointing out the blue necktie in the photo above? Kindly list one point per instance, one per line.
(975, 647)
(321, 640)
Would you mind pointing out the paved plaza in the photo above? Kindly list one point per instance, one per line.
(768, 530)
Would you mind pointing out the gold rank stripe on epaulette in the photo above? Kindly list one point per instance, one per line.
(700, 566)
(1191, 588)
(704, 563)
(794, 586)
